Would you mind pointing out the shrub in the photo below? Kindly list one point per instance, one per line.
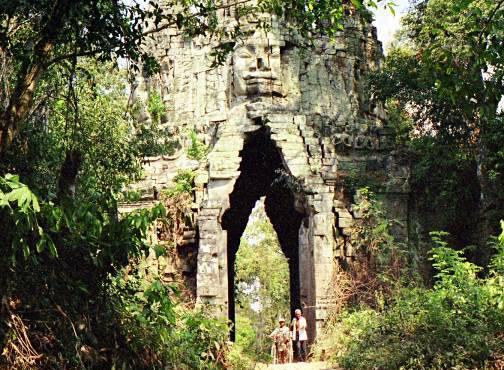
(246, 350)
(156, 107)
(159, 332)
(458, 324)
(183, 182)
(197, 150)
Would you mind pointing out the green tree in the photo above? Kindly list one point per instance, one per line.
(447, 74)
(86, 143)
(262, 283)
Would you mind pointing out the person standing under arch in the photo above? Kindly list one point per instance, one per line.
(281, 337)
(299, 335)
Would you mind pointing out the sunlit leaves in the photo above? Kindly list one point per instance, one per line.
(455, 324)
(458, 41)
(36, 226)
(24, 210)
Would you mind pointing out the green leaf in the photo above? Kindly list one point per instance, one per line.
(160, 251)
(26, 249)
(35, 204)
(391, 7)
(372, 4)
(52, 247)
(41, 245)
(15, 195)
(357, 4)
(4, 201)
(12, 178)
(23, 197)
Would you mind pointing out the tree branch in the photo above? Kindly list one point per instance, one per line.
(174, 22)
(489, 20)
(75, 54)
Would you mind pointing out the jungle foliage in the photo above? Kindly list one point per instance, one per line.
(442, 81)
(74, 290)
(73, 295)
(458, 324)
(262, 293)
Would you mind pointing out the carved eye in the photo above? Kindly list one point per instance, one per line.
(243, 54)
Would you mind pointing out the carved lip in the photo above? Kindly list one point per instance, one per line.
(257, 77)
(262, 83)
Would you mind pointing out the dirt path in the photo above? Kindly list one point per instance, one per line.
(298, 366)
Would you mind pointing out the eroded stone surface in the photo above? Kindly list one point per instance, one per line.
(312, 105)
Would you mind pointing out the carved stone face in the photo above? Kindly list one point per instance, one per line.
(257, 69)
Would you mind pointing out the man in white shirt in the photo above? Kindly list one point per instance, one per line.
(299, 335)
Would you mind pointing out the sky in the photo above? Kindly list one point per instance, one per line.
(387, 23)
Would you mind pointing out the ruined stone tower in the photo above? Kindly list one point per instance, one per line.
(283, 122)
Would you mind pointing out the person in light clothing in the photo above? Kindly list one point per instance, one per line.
(281, 337)
(299, 335)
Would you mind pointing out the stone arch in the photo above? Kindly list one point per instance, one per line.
(260, 167)
(242, 167)
(319, 120)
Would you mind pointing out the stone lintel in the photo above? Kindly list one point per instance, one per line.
(223, 175)
(293, 163)
(291, 145)
(229, 144)
(280, 118)
(224, 166)
(286, 137)
(294, 153)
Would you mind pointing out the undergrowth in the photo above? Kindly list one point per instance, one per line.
(456, 324)
(80, 291)
(160, 330)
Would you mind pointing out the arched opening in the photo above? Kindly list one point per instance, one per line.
(260, 168)
(262, 293)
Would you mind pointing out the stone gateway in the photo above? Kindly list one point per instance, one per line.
(282, 121)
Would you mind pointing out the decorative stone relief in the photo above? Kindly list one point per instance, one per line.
(315, 111)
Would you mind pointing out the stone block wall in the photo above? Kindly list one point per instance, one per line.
(315, 111)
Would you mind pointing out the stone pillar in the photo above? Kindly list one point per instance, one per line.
(307, 278)
(212, 284)
(212, 276)
(323, 254)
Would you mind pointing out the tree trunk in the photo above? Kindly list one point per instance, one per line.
(21, 100)
(20, 103)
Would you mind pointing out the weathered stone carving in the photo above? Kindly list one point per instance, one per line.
(257, 68)
(309, 106)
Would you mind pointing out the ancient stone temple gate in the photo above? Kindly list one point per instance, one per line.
(284, 122)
